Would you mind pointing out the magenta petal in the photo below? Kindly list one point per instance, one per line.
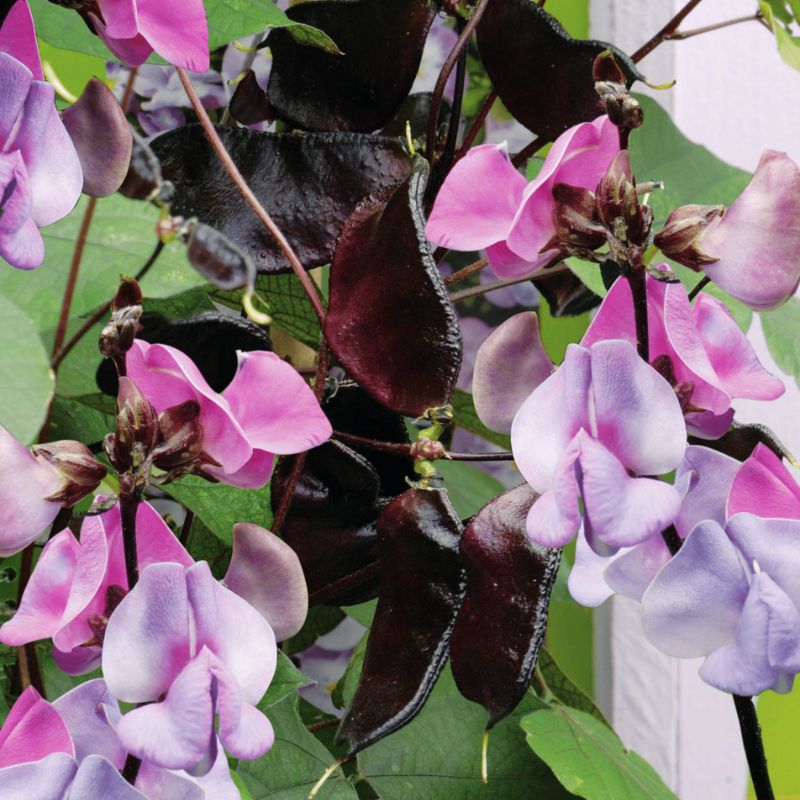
(638, 415)
(33, 730)
(692, 606)
(147, 639)
(91, 714)
(176, 732)
(731, 354)
(771, 544)
(253, 474)
(24, 248)
(243, 730)
(478, 200)
(764, 653)
(619, 510)
(24, 483)
(133, 52)
(16, 192)
(708, 476)
(547, 525)
(764, 486)
(758, 238)
(40, 613)
(275, 406)
(18, 38)
(614, 318)
(15, 83)
(121, 19)
(509, 365)
(177, 30)
(99, 779)
(48, 779)
(506, 264)
(233, 630)
(266, 572)
(549, 419)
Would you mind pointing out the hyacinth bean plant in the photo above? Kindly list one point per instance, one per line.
(316, 271)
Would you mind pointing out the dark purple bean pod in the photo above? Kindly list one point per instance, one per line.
(422, 587)
(501, 625)
(217, 258)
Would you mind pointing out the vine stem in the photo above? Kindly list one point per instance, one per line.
(698, 287)
(403, 449)
(466, 272)
(535, 144)
(666, 32)
(637, 281)
(128, 505)
(753, 746)
(250, 198)
(448, 155)
(679, 35)
(474, 291)
(476, 124)
(444, 74)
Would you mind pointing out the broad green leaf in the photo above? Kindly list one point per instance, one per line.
(589, 274)
(563, 689)
(205, 546)
(363, 612)
(295, 762)
(286, 303)
(345, 689)
(25, 373)
(589, 759)
(288, 679)
(438, 755)
(56, 681)
(788, 45)
(465, 416)
(227, 20)
(121, 238)
(220, 506)
(691, 173)
(74, 419)
(780, 330)
(469, 488)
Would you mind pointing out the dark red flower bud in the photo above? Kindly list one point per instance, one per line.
(680, 238)
(180, 436)
(137, 428)
(81, 471)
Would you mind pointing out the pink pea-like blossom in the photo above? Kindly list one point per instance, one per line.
(266, 410)
(190, 649)
(485, 204)
(708, 356)
(132, 29)
(76, 585)
(40, 173)
(587, 436)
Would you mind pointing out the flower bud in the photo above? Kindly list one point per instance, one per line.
(618, 203)
(680, 238)
(606, 68)
(180, 436)
(117, 336)
(428, 450)
(82, 473)
(217, 258)
(575, 218)
(611, 86)
(137, 428)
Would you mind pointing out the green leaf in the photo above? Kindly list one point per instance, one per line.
(72, 418)
(465, 416)
(121, 238)
(295, 762)
(563, 689)
(469, 488)
(589, 275)
(788, 45)
(25, 373)
(780, 330)
(286, 303)
(56, 681)
(345, 690)
(288, 679)
(205, 546)
(589, 759)
(691, 173)
(220, 506)
(438, 755)
(227, 20)
(363, 612)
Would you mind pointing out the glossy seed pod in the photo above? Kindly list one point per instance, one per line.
(422, 587)
(309, 183)
(218, 259)
(501, 625)
(542, 75)
(390, 321)
(361, 88)
(331, 523)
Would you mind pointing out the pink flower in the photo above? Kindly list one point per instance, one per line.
(40, 173)
(176, 29)
(267, 409)
(709, 358)
(485, 203)
(190, 649)
(603, 418)
(76, 585)
(763, 486)
(756, 241)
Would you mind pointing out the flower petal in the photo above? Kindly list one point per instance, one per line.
(586, 580)
(638, 415)
(478, 200)
(509, 365)
(177, 30)
(48, 779)
(763, 486)
(546, 525)
(266, 572)
(24, 483)
(275, 406)
(692, 606)
(99, 779)
(549, 419)
(146, 642)
(619, 510)
(632, 571)
(18, 39)
(24, 248)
